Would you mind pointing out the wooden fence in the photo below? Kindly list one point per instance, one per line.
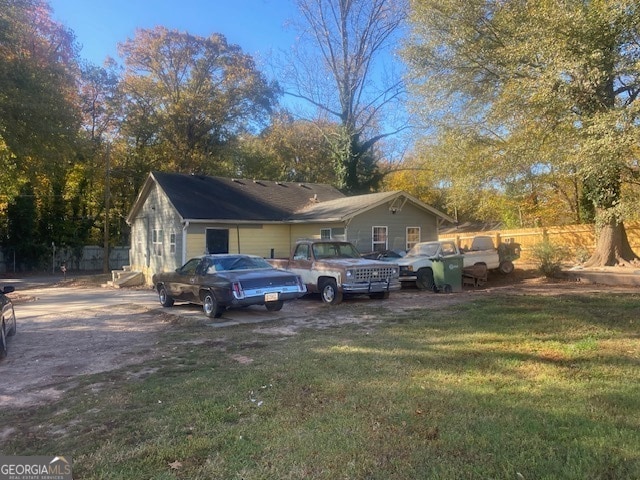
(579, 240)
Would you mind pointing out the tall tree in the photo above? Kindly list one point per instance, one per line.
(289, 150)
(98, 90)
(39, 121)
(342, 66)
(190, 95)
(38, 113)
(565, 102)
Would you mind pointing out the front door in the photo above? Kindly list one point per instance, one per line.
(217, 240)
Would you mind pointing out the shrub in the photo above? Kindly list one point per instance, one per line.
(549, 257)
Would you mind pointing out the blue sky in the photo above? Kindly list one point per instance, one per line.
(257, 26)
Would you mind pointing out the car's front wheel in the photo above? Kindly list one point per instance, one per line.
(425, 279)
(210, 305)
(329, 292)
(166, 300)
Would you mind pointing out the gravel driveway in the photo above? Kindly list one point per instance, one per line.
(68, 331)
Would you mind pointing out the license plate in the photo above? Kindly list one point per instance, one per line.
(271, 297)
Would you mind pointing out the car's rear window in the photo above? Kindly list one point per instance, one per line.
(240, 263)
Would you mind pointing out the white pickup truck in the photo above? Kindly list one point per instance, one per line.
(416, 266)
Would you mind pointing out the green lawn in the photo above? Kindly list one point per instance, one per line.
(521, 387)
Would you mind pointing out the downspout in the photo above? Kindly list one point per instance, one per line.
(184, 242)
(147, 253)
(346, 229)
(238, 235)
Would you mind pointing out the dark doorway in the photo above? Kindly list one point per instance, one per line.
(217, 240)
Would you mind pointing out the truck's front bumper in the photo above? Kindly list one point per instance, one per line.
(408, 278)
(371, 287)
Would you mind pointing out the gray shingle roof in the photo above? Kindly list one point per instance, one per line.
(341, 208)
(215, 199)
(197, 197)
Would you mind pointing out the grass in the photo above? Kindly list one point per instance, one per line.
(515, 388)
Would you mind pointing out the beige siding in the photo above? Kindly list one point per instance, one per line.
(359, 231)
(250, 239)
(313, 230)
(261, 242)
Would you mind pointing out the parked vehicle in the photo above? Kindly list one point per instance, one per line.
(8, 325)
(385, 255)
(483, 251)
(416, 266)
(221, 281)
(335, 268)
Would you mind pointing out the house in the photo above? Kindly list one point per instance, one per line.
(179, 216)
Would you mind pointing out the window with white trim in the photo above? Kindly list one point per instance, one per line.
(413, 236)
(172, 242)
(139, 250)
(156, 240)
(379, 236)
(325, 233)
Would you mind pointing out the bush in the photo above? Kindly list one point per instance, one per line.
(549, 257)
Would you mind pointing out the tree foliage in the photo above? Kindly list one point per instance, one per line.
(563, 106)
(39, 121)
(38, 114)
(190, 95)
(288, 150)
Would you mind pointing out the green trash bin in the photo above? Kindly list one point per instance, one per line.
(447, 273)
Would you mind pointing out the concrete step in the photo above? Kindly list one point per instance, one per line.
(125, 278)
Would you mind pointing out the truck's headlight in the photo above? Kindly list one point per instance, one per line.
(349, 273)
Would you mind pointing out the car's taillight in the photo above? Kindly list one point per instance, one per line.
(237, 290)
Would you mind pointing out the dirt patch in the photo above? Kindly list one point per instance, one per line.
(52, 351)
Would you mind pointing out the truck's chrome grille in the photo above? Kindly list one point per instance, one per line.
(375, 274)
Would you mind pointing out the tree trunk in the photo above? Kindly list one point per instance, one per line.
(613, 248)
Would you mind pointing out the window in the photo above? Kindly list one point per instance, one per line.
(190, 267)
(172, 242)
(379, 239)
(413, 236)
(448, 248)
(302, 252)
(139, 250)
(156, 240)
(336, 233)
